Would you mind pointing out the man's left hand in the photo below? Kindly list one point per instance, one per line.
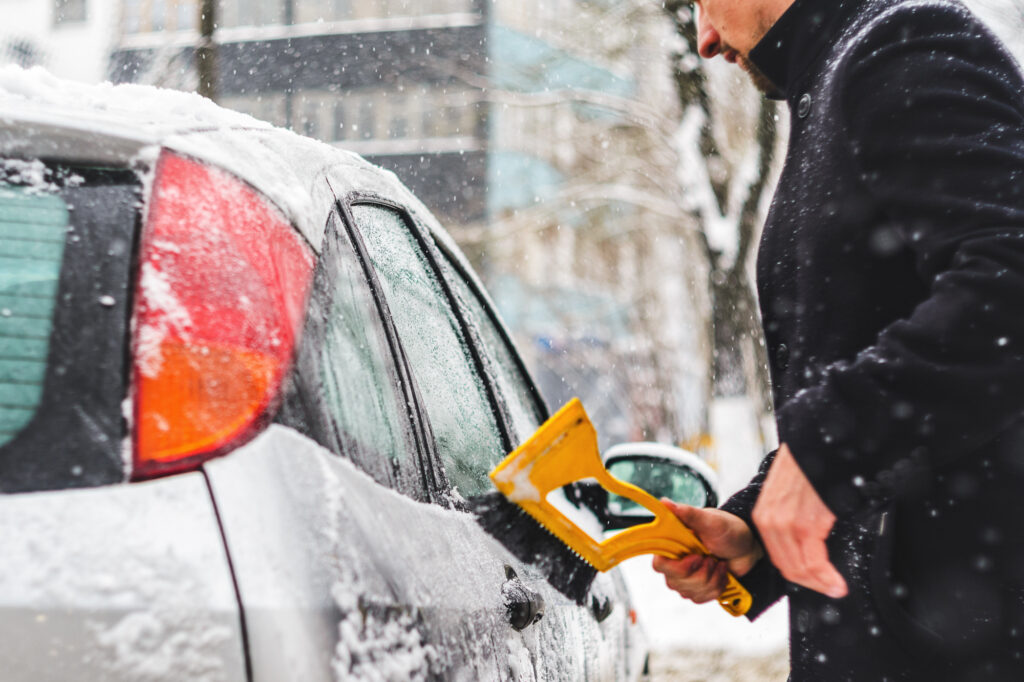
(794, 522)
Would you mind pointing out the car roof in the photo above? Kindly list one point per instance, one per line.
(44, 117)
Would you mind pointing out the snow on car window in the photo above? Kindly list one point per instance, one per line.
(460, 414)
(35, 177)
(363, 409)
(514, 387)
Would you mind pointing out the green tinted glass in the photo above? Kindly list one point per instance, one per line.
(660, 479)
(32, 232)
(514, 386)
(464, 427)
(356, 370)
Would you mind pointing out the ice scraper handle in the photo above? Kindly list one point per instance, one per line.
(564, 450)
(665, 535)
(734, 598)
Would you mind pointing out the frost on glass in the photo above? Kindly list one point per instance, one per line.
(359, 382)
(32, 234)
(513, 386)
(460, 416)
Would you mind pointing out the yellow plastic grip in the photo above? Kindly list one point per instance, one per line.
(564, 450)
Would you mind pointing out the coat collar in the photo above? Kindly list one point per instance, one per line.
(797, 39)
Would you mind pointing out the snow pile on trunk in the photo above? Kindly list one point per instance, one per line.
(117, 583)
(163, 643)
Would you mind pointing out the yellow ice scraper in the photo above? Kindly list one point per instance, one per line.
(564, 450)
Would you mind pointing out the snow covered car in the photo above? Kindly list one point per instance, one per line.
(246, 381)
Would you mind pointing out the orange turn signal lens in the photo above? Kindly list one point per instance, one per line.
(200, 398)
(223, 279)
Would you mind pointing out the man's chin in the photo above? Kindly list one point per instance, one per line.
(757, 77)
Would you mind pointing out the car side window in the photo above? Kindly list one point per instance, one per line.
(521, 402)
(348, 388)
(456, 401)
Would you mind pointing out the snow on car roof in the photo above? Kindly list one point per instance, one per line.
(42, 116)
(140, 111)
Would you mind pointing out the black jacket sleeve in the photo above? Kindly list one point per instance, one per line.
(935, 124)
(764, 582)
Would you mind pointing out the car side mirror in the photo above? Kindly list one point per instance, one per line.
(661, 470)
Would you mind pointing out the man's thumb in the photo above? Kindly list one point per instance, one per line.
(694, 518)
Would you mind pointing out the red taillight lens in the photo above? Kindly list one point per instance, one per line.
(222, 286)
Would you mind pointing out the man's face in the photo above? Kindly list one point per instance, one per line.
(732, 28)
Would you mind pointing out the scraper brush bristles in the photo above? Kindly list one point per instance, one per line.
(532, 543)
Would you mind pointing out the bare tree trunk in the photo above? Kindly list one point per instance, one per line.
(206, 52)
(735, 323)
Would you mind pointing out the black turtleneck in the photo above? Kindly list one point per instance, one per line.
(798, 38)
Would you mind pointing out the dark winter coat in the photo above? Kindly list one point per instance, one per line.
(891, 283)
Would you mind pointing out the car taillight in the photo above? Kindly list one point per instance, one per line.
(223, 279)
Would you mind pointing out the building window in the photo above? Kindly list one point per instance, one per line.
(398, 118)
(68, 11)
(309, 11)
(369, 115)
(148, 16)
(252, 12)
(271, 107)
(367, 119)
(340, 130)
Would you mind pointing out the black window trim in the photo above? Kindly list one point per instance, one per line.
(426, 245)
(295, 410)
(435, 483)
(538, 400)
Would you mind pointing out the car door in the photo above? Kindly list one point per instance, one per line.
(308, 509)
(609, 629)
(471, 422)
(346, 567)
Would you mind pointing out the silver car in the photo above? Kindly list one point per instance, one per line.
(247, 383)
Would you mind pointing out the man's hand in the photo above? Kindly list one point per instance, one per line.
(702, 578)
(794, 523)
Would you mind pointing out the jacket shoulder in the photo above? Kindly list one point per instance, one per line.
(936, 29)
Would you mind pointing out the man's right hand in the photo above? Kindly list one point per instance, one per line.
(702, 578)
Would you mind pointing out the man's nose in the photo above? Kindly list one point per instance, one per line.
(709, 43)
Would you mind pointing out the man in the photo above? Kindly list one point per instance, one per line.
(891, 282)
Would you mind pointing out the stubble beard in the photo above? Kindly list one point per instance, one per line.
(757, 76)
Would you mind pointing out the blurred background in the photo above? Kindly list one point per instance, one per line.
(607, 185)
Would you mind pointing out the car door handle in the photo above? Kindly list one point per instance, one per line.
(523, 606)
(601, 607)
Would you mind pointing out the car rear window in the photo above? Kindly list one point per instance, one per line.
(32, 231)
(67, 235)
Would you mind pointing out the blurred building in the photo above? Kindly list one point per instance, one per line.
(403, 82)
(70, 38)
(510, 119)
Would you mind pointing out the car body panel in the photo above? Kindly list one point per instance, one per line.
(335, 576)
(117, 583)
(336, 571)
